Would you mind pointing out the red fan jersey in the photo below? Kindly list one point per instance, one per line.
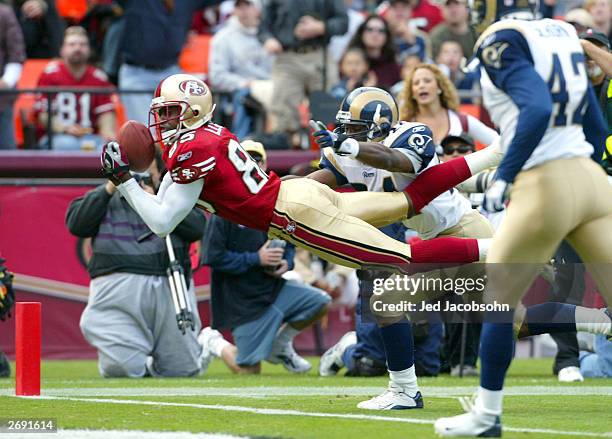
(75, 108)
(235, 187)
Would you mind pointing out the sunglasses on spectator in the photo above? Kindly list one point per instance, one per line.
(380, 30)
(461, 149)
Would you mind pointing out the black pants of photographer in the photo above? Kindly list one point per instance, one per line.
(568, 288)
(5, 368)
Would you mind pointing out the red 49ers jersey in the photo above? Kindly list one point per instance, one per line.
(75, 108)
(235, 188)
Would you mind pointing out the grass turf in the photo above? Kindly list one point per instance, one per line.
(576, 413)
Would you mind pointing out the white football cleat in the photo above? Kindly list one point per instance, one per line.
(205, 339)
(287, 356)
(471, 424)
(331, 361)
(393, 399)
(570, 375)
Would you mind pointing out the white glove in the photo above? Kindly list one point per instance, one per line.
(496, 196)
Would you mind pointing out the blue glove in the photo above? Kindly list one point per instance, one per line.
(340, 143)
(496, 196)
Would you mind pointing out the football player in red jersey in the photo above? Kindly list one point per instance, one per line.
(210, 169)
(79, 120)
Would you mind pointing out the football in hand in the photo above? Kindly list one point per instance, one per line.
(137, 141)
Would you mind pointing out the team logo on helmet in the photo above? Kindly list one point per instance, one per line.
(193, 87)
(290, 227)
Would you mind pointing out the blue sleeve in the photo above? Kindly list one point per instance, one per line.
(324, 163)
(289, 255)
(216, 254)
(507, 60)
(594, 126)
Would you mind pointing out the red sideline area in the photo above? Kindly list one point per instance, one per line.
(36, 163)
(49, 267)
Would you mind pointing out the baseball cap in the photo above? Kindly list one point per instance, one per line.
(596, 37)
(463, 138)
(253, 147)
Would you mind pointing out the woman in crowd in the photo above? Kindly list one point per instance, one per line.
(430, 97)
(374, 38)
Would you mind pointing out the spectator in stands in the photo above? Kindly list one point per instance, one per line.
(154, 32)
(79, 120)
(601, 11)
(42, 27)
(238, 59)
(339, 43)
(408, 64)
(298, 36)
(408, 40)
(455, 28)
(427, 14)
(12, 55)
(580, 19)
(354, 72)
(449, 61)
(250, 297)
(130, 317)
(375, 39)
(429, 97)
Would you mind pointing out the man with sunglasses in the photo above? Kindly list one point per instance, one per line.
(457, 146)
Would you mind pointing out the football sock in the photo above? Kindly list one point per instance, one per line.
(446, 250)
(595, 321)
(483, 248)
(286, 334)
(399, 345)
(486, 158)
(490, 401)
(549, 318)
(496, 348)
(435, 180)
(405, 380)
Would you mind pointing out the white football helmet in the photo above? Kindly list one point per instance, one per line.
(181, 103)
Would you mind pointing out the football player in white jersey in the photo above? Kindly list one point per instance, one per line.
(537, 92)
(389, 159)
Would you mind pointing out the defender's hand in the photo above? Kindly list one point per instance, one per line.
(496, 196)
(340, 143)
(115, 164)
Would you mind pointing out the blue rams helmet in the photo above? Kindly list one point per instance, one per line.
(483, 13)
(365, 111)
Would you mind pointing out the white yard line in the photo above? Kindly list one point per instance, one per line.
(121, 434)
(279, 412)
(263, 392)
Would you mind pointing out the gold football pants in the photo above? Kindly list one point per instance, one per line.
(562, 199)
(340, 227)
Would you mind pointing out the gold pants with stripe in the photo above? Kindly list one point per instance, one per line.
(562, 199)
(340, 227)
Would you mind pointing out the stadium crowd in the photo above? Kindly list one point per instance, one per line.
(253, 53)
(265, 61)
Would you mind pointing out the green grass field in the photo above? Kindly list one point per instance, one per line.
(278, 404)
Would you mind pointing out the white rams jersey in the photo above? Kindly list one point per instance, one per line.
(442, 213)
(554, 50)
